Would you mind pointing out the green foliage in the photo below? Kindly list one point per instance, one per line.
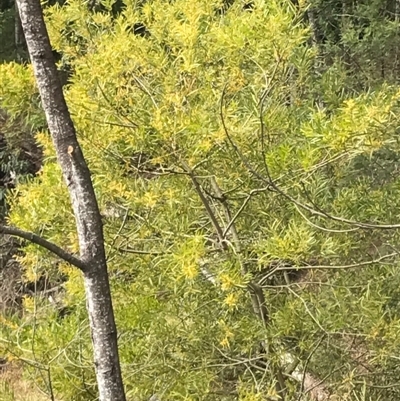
(363, 35)
(7, 51)
(230, 96)
(18, 93)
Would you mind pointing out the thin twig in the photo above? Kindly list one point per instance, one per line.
(329, 230)
(244, 204)
(272, 183)
(139, 252)
(308, 310)
(306, 365)
(325, 267)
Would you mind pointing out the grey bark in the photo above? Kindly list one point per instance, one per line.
(36, 239)
(88, 220)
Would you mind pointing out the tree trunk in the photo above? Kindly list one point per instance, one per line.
(88, 220)
(19, 39)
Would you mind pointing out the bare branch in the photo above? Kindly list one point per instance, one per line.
(36, 239)
(255, 290)
(206, 204)
(244, 204)
(326, 267)
(329, 230)
(304, 375)
(222, 199)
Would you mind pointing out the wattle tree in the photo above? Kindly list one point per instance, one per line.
(250, 207)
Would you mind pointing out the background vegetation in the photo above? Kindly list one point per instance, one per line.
(272, 124)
